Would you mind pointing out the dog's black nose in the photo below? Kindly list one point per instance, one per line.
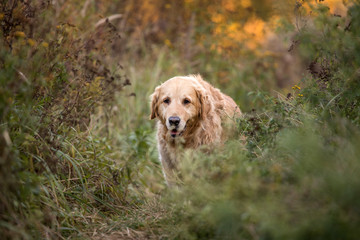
(174, 121)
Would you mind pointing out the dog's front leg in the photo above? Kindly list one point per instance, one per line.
(168, 162)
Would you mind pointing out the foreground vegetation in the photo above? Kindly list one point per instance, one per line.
(78, 155)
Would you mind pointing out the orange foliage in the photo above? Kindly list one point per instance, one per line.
(252, 31)
(226, 26)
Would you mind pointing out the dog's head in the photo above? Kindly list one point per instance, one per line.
(178, 103)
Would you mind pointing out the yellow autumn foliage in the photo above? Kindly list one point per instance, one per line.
(231, 31)
(45, 44)
(19, 34)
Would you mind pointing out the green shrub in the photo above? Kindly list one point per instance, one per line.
(297, 177)
(54, 171)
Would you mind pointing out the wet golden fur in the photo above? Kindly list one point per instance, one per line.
(202, 110)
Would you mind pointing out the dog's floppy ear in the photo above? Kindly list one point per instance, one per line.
(204, 103)
(154, 105)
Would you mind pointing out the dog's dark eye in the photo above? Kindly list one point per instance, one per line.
(186, 101)
(167, 100)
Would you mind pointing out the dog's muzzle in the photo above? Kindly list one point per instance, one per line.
(173, 126)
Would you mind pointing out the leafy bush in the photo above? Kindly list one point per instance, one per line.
(54, 172)
(297, 178)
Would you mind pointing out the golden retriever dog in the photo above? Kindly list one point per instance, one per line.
(190, 113)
